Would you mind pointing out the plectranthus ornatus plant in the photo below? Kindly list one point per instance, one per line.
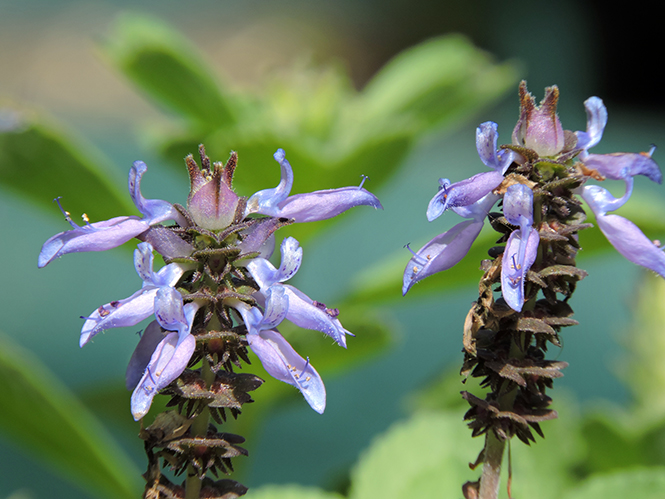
(216, 296)
(531, 275)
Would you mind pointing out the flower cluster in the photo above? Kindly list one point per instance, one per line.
(538, 142)
(538, 179)
(216, 257)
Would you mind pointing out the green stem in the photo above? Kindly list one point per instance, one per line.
(199, 428)
(494, 446)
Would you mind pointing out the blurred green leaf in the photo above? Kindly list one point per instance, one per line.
(426, 456)
(168, 69)
(40, 414)
(290, 492)
(437, 82)
(642, 483)
(40, 164)
(327, 128)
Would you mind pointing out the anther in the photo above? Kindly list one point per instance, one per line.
(365, 177)
(516, 265)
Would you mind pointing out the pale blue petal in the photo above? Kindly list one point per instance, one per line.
(168, 361)
(121, 313)
(514, 268)
(441, 253)
(596, 119)
(487, 139)
(618, 166)
(153, 210)
(98, 236)
(321, 205)
(282, 362)
(266, 201)
(463, 193)
(151, 337)
(308, 314)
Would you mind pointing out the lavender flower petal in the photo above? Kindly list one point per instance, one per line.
(596, 119)
(97, 236)
(631, 242)
(119, 313)
(168, 361)
(463, 193)
(441, 253)
(487, 139)
(151, 337)
(619, 165)
(283, 363)
(517, 260)
(101, 236)
(308, 314)
(310, 207)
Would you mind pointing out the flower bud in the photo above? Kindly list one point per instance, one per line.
(539, 127)
(212, 201)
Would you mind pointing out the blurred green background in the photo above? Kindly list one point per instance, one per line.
(290, 72)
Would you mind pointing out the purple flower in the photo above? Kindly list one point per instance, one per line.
(447, 249)
(302, 310)
(468, 192)
(278, 357)
(522, 246)
(171, 355)
(624, 235)
(100, 236)
(310, 207)
(140, 305)
(615, 166)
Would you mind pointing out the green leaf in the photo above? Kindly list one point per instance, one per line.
(42, 416)
(647, 483)
(290, 492)
(426, 456)
(170, 70)
(40, 163)
(437, 82)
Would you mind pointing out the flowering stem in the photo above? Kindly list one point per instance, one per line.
(491, 476)
(199, 428)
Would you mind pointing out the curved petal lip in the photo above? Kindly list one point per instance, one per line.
(441, 253)
(512, 283)
(321, 205)
(98, 236)
(282, 362)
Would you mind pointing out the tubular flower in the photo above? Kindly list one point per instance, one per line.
(100, 236)
(215, 264)
(139, 306)
(522, 245)
(278, 357)
(301, 310)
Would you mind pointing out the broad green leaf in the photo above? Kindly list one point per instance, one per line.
(645, 483)
(170, 70)
(42, 416)
(40, 163)
(290, 492)
(426, 456)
